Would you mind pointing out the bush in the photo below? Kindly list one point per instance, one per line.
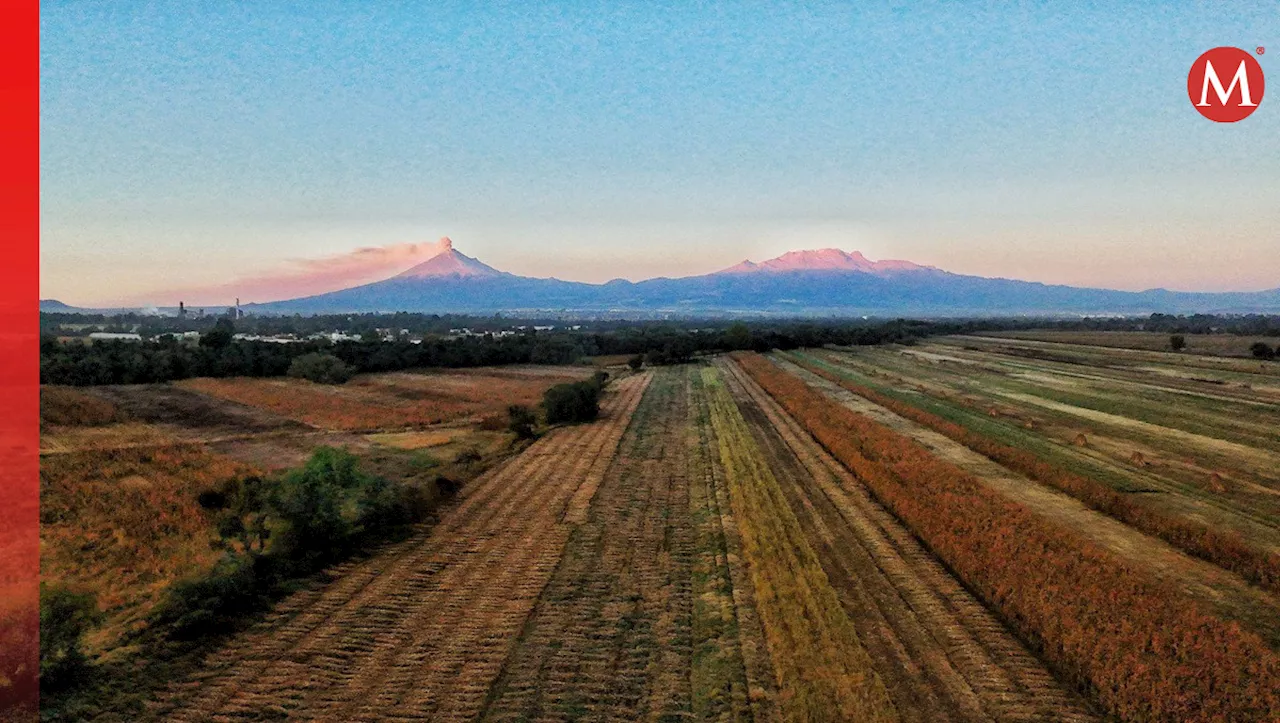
(521, 421)
(321, 368)
(574, 402)
(1261, 351)
(282, 527)
(636, 362)
(211, 604)
(311, 503)
(1177, 342)
(65, 616)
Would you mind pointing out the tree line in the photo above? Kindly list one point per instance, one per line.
(217, 354)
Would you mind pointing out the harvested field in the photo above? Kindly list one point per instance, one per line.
(1220, 547)
(1206, 451)
(1101, 619)
(942, 655)
(1230, 345)
(421, 630)
(821, 666)
(1228, 595)
(739, 540)
(393, 400)
(610, 637)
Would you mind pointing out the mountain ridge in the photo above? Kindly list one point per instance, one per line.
(813, 282)
(816, 282)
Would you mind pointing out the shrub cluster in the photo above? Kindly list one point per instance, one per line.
(1261, 350)
(321, 368)
(1224, 548)
(574, 401)
(1143, 649)
(521, 421)
(274, 529)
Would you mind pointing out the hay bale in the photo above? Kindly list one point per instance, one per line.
(1138, 459)
(1080, 440)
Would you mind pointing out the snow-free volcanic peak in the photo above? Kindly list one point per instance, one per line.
(449, 262)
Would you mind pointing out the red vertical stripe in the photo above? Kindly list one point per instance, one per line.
(19, 355)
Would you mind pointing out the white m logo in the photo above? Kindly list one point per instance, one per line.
(1211, 76)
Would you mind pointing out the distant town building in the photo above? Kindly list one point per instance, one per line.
(114, 336)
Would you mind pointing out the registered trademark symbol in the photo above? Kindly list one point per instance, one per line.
(1261, 50)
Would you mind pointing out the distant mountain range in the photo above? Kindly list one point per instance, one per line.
(824, 282)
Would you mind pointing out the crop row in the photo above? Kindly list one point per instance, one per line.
(822, 669)
(1140, 647)
(1225, 548)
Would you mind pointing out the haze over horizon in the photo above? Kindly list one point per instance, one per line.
(240, 148)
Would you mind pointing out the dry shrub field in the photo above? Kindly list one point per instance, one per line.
(1144, 650)
(394, 400)
(71, 407)
(125, 523)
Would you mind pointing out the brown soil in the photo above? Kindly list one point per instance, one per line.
(191, 412)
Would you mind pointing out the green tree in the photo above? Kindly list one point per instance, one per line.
(636, 362)
(1262, 351)
(737, 336)
(219, 337)
(521, 421)
(1178, 342)
(574, 402)
(321, 368)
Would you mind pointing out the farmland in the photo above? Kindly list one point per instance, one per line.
(122, 468)
(390, 400)
(973, 528)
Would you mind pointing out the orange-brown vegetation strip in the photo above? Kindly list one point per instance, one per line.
(421, 630)
(384, 401)
(1225, 548)
(124, 523)
(71, 407)
(1143, 649)
(823, 671)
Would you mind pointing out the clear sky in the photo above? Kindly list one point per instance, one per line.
(196, 146)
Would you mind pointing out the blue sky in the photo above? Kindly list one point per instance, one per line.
(188, 145)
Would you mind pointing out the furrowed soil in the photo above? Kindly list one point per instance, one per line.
(422, 630)
(1225, 593)
(942, 655)
(611, 636)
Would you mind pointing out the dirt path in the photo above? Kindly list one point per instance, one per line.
(610, 637)
(943, 656)
(1226, 593)
(421, 631)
